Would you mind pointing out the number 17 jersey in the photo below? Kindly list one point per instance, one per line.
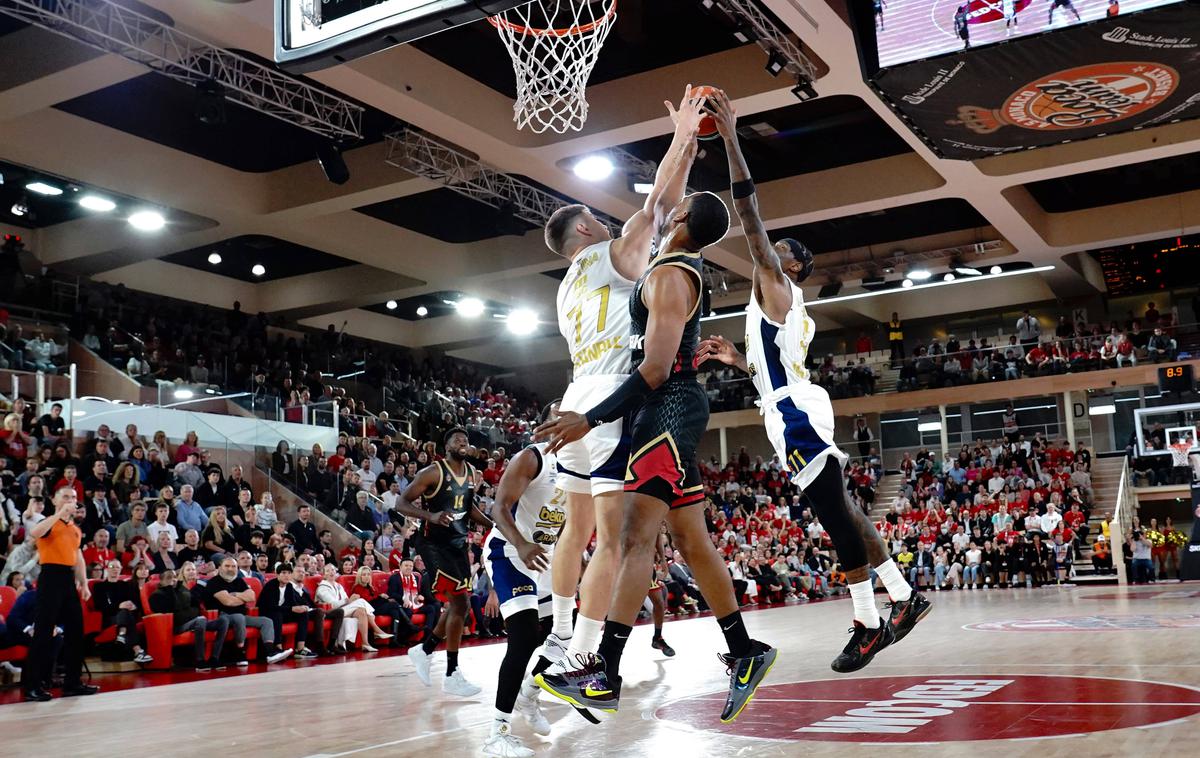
(593, 313)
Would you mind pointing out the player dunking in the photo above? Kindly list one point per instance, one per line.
(593, 316)
(517, 553)
(799, 416)
(447, 490)
(670, 412)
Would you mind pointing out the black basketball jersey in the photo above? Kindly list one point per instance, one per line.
(453, 495)
(639, 314)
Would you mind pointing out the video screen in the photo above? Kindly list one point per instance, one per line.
(909, 30)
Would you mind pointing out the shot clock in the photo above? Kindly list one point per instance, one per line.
(1176, 378)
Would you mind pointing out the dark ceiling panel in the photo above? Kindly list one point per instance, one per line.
(797, 139)
(163, 110)
(48, 210)
(445, 215)
(891, 225)
(1122, 184)
(648, 34)
(281, 259)
(436, 303)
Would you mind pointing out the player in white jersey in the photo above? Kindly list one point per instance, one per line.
(593, 316)
(799, 416)
(517, 552)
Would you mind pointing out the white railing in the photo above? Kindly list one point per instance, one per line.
(1122, 522)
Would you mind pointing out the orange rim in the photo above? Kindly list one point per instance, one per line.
(498, 22)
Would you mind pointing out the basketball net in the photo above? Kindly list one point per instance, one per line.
(554, 45)
(1179, 452)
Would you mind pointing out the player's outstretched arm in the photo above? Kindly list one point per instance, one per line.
(522, 470)
(632, 250)
(718, 348)
(425, 482)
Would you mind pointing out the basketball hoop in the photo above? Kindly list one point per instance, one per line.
(1180, 452)
(554, 45)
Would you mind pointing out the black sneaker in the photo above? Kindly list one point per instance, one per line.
(305, 653)
(658, 643)
(203, 667)
(863, 646)
(745, 674)
(906, 614)
(585, 686)
(240, 658)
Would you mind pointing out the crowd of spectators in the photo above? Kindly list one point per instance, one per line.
(35, 348)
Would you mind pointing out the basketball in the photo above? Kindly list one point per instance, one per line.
(708, 127)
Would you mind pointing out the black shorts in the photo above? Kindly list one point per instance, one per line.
(449, 567)
(666, 430)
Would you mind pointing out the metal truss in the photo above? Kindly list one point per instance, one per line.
(634, 167)
(771, 38)
(153, 43)
(457, 170)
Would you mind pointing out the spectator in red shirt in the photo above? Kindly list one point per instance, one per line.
(863, 345)
(492, 473)
(99, 551)
(69, 479)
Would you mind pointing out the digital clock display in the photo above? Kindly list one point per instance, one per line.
(1175, 378)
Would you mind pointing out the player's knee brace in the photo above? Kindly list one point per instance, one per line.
(828, 497)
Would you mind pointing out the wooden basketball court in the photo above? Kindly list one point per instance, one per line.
(1092, 671)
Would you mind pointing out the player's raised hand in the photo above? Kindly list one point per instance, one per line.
(718, 348)
(566, 427)
(533, 555)
(691, 110)
(723, 114)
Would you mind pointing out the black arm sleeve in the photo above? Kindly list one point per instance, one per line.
(624, 399)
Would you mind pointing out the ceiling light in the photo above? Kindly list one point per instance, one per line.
(522, 321)
(97, 203)
(184, 393)
(948, 276)
(919, 274)
(422, 311)
(214, 259)
(929, 426)
(643, 188)
(775, 64)
(965, 270)
(258, 269)
(1103, 410)
(469, 307)
(593, 168)
(147, 221)
(19, 208)
(804, 91)
(43, 189)
(392, 305)
(995, 270)
(907, 283)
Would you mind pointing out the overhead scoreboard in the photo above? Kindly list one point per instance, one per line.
(316, 34)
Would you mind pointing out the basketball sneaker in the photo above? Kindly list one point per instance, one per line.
(585, 686)
(420, 661)
(531, 710)
(658, 643)
(456, 684)
(745, 674)
(906, 614)
(864, 644)
(502, 743)
(554, 649)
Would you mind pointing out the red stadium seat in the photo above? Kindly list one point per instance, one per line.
(8, 598)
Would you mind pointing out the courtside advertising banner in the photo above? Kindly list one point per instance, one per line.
(1110, 76)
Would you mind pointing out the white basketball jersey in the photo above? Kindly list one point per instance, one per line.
(775, 353)
(593, 313)
(539, 511)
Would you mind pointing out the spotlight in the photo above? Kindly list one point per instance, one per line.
(329, 156)
(643, 188)
(962, 268)
(775, 64)
(469, 307)
(183, 393)
(20, 208)
(593, 168)
(97, 203)
(948, 276)
(214, 259)
(919, 274)
(522, 321)
(392, 305)
(147, 221)
(43, 189)
(907, 283)
(258, 269)
(804, 91)
(422, 311)
(745, 33)
(210, 103)
(995, 270)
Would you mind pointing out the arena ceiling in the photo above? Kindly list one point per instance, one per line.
(840, 171)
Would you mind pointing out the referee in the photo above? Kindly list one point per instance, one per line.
(62, 584)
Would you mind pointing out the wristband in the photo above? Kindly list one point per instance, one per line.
(623, 400)
(742, 189)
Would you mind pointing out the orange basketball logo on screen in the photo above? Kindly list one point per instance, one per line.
(1077, 98)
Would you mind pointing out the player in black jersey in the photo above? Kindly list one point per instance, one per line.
(669, 412)
(447, 489)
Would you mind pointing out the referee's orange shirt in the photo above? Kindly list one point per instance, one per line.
(59, 545)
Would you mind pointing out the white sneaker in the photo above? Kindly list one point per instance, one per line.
(457, 684)
(505, 744)
(420, 661)
(367, 647)
(554, 649)
(531, 710)
(10, 668)
(281, 655)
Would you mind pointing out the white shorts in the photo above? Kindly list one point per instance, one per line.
(595, 464)
(517, 588)
(799, 423)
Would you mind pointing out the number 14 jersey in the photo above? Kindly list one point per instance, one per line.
(593, 313)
